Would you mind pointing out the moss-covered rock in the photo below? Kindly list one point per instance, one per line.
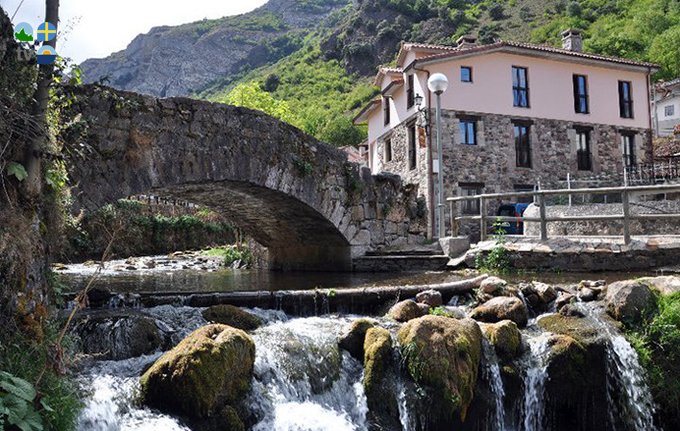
(209, 369)
(377, 356)
(442, 355)
(577, 373)
(405, 310)
(352, 339)
(232, 316)
(505, 337)
(502, 308)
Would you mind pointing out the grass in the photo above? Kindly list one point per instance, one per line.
(25, 358)
(232, 253)
(657, 342)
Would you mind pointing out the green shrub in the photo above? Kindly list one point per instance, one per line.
(657, 342)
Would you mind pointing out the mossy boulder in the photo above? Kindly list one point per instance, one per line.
(352, 339)
(442, 356)
(505, 337)
(379, 377)
(629, 300)
(405, 310)
(577, 373)
(232, 316)
(502, 308)
(208, 370)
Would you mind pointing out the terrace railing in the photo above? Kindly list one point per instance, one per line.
(540, 199)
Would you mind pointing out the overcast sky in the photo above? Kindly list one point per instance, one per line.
(96, 28)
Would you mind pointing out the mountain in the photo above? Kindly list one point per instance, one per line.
(180, 60)
(316, 58)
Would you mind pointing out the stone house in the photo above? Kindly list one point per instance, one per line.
(666, 108)
(515, 115)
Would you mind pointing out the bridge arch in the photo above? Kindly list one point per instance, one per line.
(296, 196)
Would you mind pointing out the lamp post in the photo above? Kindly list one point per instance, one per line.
(438, 83)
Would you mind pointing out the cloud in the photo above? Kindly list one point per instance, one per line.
(96, 28)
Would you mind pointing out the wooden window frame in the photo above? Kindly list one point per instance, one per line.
(412, 148)
(464, 131)
(469, 69)
(410, 91)
(584, 158)
(518, 89)
(626, 105)
(581, 100)
(519, 144)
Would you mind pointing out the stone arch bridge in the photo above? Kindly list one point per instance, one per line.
(298, 197)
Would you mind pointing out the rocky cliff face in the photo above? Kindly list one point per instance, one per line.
(180, 60)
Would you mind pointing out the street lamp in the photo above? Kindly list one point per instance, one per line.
(438, 83)
(422, 120)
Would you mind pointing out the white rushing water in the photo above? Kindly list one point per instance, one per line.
(534, 382)
(491, 373)
(303, 382)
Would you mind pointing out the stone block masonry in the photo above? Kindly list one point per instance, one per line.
(296, 196)
(490, 166)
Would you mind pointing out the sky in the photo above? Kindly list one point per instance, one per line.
(96, 28)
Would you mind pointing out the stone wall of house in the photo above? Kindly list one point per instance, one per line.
(491, 164)
(606, 228)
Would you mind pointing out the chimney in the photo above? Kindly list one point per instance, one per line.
(571, 40)
(466, 41)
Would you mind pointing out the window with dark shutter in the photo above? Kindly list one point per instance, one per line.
(386, 110)
(470, 189)
(522, 146)
(412, 147)
(583, 153)
(628, 143)
(625, 99)
(581, 94)
(388, 150)
(410, 97)
(520, 87)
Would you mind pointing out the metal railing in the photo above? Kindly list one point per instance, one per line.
(540, 199)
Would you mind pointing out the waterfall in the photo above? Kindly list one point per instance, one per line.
(303, 382)
(534, 383)
(491, 373)
(110, 406)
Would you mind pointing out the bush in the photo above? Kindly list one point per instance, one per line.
(657, 342)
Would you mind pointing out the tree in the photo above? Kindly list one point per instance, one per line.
(34, 151)
(665, 52)
(340, 131)
(250, 95)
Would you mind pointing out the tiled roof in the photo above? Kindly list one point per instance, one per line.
(393, 86)
(407, 46)
(666, 147)
(500, 45)
(366, 109)
(382, 71)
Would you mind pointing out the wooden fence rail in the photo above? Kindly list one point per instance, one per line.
(539, 197)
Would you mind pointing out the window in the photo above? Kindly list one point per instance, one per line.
(470, 189)
(583, 155)
(522, 146)
(625, 99)
(580, 94)
(520, 87)
(386, 110)
(468, 132)
(465, 74)
(388, 150)
(410, 98)
(669, 110)
(412, 147)
(628, 142)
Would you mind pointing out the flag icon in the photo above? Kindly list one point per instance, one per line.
(46, 32)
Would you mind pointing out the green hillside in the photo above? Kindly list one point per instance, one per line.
(329, 79)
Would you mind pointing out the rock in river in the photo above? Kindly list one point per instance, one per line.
(232, 316)
(442, 355)
(629, 300)
(502, 308)
(208, 370)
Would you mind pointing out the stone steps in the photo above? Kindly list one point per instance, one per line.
(400, 263)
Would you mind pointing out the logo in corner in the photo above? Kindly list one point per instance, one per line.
(23, 32)
(46, 55)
